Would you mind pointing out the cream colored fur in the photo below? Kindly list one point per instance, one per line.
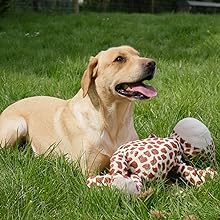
(89, 126)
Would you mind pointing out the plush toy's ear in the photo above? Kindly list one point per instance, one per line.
(88, 75)
(152, 135)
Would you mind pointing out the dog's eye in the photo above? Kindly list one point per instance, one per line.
(119, 59)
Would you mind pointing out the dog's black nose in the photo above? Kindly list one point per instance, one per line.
(151, 65)
(149, 68)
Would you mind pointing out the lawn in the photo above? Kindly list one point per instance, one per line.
(47, 54)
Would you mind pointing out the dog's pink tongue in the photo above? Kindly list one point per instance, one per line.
(148, 91)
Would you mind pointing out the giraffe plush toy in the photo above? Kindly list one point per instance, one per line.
(153, 158)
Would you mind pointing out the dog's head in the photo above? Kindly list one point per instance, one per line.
(121, 72)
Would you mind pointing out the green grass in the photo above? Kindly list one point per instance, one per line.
(186, 48)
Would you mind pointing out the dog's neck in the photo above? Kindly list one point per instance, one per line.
(116, 118)
(113, 111)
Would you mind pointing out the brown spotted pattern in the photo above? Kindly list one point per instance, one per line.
(150, 159)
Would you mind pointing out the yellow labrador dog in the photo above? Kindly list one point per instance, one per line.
(92, 124)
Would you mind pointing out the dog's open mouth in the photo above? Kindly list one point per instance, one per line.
(136, 90)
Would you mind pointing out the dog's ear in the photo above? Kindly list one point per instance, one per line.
(89, 73)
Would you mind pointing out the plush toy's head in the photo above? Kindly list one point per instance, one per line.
(195, 139)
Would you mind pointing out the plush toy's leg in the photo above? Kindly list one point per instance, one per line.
(118, 165)
(193, 175)
(131, 185)
(137, 180)
(121, 178)
(100, 180)
(118, 177)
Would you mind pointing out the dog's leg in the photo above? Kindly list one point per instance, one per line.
(12, 129)
(90, 163)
